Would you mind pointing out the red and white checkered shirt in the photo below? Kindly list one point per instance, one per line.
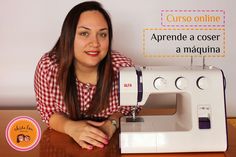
(49, 99)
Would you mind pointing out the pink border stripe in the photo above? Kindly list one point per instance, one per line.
(19, 148)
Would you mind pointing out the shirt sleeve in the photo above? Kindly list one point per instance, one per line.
(43, 77)
(120, 61)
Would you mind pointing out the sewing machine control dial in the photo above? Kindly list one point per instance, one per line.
(202, 83)
(181, 83)
(160, 83)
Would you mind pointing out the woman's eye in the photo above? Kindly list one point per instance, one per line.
(103, 35)
(84, 34)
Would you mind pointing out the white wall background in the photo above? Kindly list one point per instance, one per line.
(29, 28)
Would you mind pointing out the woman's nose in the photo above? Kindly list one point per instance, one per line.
(95, 41)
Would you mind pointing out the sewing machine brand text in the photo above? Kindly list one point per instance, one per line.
(127, 84)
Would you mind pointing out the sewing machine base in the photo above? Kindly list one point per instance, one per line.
(163, 134)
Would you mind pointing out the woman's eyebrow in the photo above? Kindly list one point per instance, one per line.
(84, 27)
(102, 29)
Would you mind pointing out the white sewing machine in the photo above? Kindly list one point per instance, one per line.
(199, 124)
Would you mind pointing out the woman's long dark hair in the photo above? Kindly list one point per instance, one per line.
(66, 77)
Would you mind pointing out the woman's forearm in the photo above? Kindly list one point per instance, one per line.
(59, 122)
(86, 133)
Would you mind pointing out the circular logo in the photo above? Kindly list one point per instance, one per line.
(23, 133)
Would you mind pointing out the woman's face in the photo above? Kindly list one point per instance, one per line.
(27, 138)
(91, 39)
(21, 138)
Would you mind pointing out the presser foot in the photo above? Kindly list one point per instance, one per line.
(136, 119)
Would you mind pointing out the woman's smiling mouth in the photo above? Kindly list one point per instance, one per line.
(92, 53)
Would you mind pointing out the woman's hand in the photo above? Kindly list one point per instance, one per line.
(89, 133)
(108, 128)
(85, 132)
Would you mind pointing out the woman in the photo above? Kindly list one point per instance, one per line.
(76, 83)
